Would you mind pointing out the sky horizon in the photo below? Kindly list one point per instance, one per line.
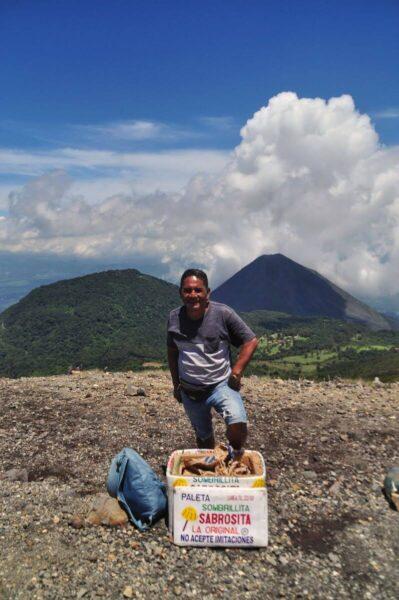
(209, 133)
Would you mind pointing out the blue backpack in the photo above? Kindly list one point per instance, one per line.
(132, 481)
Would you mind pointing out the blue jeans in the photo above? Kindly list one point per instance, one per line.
(227, 402)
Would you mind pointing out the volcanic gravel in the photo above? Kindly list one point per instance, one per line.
(326, 446)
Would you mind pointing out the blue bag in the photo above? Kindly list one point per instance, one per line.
(132, 481)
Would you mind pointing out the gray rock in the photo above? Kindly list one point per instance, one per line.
(132, 390)
(16, 475)
(336, 486)
(391, 486)
(283, 560)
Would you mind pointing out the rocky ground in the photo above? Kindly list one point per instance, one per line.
(327, 446)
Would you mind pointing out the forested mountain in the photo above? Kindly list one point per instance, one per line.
(114, 319)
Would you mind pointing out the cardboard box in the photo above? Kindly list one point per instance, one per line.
(216, 516)
(217, 510)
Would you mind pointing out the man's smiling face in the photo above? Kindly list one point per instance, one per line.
(195, 297)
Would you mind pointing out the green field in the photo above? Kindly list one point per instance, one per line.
(322, 349)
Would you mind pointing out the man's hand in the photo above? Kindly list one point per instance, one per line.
(245, 355)
(234, 381)
(177, 393)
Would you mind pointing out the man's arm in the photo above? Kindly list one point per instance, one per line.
(173, 354)
(244, 356)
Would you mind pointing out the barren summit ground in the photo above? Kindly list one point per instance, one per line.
(327, 445)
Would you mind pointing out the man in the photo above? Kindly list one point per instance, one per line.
(199, 337)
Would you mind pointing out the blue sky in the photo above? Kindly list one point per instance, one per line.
(89, 62)
(139, 97)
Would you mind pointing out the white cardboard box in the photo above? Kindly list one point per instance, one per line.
(207, 516)
(220, 509)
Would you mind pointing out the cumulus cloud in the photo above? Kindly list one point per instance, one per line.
(309, 179)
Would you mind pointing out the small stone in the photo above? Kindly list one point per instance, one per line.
(333, 557)
(334, 489)
(56, 520)
(16, 475)
(106, 511)
(141, 392)
(177, 590)
(310, 475)
(128, 592)
(395, 500)
(82, 592)
(76, 522)
(283, 560)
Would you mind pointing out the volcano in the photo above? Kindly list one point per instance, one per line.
(277, 283)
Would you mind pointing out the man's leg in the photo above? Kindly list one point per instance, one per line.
(228, 403)
(208, 443)
(200, 417)
(237, 435)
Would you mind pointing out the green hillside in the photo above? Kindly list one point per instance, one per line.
(320, 348)
(114, 318)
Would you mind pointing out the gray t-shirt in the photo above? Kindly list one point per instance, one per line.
(204, 344)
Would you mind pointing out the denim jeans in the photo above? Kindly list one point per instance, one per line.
(227, 402)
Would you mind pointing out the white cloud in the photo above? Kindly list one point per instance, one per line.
(388, 113)
(136, 130)
(219, 123)
(169, 169)
(309, 179)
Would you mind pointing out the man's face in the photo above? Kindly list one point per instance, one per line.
(195, 297)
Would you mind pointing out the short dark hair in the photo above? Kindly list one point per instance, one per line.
(194, 273)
